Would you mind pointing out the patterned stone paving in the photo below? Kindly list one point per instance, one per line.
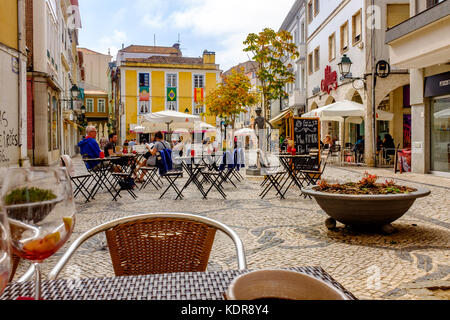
(413, 263)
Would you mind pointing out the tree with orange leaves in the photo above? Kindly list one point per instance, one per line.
(231, 96)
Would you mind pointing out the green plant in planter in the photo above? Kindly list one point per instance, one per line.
(28, 195)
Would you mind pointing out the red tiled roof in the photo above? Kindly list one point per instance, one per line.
(87, 51)
(151, 49)
(167, 60)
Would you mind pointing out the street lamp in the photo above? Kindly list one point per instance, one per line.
(381, 69)
(345, 66)
(75, 92)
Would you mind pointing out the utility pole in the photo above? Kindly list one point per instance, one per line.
(374, 120)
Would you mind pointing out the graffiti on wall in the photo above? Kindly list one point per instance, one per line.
(9, 136)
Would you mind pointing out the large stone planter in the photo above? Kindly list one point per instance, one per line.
(365, 211)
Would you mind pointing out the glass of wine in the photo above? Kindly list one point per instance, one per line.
(39, 204)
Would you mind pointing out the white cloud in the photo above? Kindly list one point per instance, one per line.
(112, 43)
(217, 17)
(230, 22)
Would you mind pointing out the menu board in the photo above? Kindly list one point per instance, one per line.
(306, 134)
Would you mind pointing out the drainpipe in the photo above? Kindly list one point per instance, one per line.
(22, 112)
(374, 121)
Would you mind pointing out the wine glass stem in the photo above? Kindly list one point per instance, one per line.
(37, 285)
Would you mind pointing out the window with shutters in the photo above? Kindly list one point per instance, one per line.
(89, 105)
(171, 80)
(317, 59)
(310, 63)
(199, 81)
(396, 14)
(332, 47)
(310, 11)
(356, 28)
(101, 105)
(344, 37)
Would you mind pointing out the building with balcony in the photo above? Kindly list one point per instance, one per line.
(154, 79)
(355, 29)
(422, 44)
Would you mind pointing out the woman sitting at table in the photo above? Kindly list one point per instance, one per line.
(389, 146)
(328, 142)
(150, 156)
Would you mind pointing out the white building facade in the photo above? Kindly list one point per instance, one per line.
(338, 28)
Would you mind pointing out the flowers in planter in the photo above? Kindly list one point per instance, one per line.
(367, 185)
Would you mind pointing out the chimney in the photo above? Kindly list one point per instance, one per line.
(209, 57)
(123, 46)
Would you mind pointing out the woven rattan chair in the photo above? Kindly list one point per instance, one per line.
(157, 243)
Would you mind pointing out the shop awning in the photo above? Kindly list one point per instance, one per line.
(280, 117)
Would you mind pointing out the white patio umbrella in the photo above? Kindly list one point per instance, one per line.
(343, 110)
(181, 130)
(168, 117)
(203, 126)
(245, 132)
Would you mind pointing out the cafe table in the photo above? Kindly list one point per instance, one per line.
(169, 286)
(292, 164)
(101, 174)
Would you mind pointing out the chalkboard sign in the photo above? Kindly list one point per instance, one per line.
(306, 134)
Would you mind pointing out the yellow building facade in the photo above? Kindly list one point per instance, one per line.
(97, 107)
(163, 83)
(8, 23)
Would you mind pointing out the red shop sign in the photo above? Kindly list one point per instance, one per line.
(330, 81)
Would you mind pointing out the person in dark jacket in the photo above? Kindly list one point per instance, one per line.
(389, 146)
(89, 147)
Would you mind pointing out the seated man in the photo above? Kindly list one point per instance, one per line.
(89, 148)
(110, 147)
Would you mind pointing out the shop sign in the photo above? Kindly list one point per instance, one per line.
(330, 81)
(437, 85)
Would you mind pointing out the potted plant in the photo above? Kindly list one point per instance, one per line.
(366, 203)
(32, 204)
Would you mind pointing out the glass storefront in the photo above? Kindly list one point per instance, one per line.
(440, 134)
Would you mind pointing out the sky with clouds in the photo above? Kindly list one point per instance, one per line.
(215, 25)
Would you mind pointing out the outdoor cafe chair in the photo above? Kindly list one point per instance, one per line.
(273, 175)
(157, 243)
(80, 181)
(125, 181)
(150, 176)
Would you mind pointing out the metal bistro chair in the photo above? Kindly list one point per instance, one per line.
(157, 243)
(80, 181)
(273, 175)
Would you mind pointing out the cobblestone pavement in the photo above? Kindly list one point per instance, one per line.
(413, 263)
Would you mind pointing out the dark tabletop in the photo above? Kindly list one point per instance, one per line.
(169, 286)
